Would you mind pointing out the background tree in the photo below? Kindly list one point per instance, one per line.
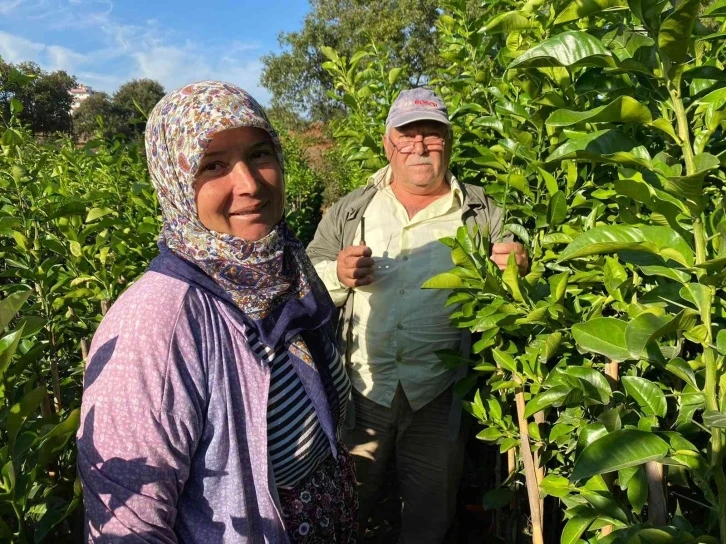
(85, 118)
(299, 83)
(144, 93)
(44, 96)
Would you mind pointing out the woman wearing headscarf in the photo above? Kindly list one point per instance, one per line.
(214, 393)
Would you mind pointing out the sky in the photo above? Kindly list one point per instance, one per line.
(106, 43)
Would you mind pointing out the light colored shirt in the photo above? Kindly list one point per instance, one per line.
(396, 326)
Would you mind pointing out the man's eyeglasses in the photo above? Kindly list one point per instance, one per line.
(406, 146)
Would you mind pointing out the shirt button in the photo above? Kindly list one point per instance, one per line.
(401, 291)
(399, 326)
(405, 257)
(399, 359)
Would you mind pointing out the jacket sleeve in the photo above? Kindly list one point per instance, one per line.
(142, 416)
(323, 252)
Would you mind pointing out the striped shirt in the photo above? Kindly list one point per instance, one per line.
(296, 442)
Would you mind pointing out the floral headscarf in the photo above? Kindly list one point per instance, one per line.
(271, 280)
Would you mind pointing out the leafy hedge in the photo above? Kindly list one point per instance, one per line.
(598, 126)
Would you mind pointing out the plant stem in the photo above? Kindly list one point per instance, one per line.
(682, 122)
(611, 370)
(717, 453)
(529, 469)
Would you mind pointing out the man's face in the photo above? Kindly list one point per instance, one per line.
(424, 167)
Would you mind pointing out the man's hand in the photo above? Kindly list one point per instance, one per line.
(500, 255)
(355, 266)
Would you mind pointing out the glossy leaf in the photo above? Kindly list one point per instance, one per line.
(700, 296)
(648, 395)
(608, 145)
(557, 209)
(555, 485)
(22, 410)
(551, 397)
(575, 527)
(676, 30)
(618, 450)
(575, 48)
(603, 335)
(623, 109)
(10, 306)
(712, 418)
(445, 280)
(509, 21)
(578, 9)
(638, 489)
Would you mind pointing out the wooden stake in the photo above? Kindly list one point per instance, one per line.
(529, 469)
(611, 369)
(539, 419)
(657, 505)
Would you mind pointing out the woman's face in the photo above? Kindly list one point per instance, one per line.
(239, 186)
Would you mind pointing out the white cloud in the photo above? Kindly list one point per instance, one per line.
(125, 51)
(17, 49)
(62, 58)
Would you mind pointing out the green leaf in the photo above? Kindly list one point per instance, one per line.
(573, 48)
(648, 11)
(604, 503)
(509, 21)
(393, 75)
(603, 335)
(605, 240)
(8, 346)
(97, 213)
(648, 395)
(489, 434)
(555, 485)
(721, 341)
(712, 418)
(445, 280)
(10, 306)
(329, 52)
(608, 145)
(551, 397)
(623, 109)
(615, 275)
(21, 411)
(76, 249)
(641, 331)
(504, 360)
(550, 346)
(700, 296)
(511, 278)
(698, 334)
(577, 9)
(594, 378)
(675, 32)
(557, 209)
(679, 367)
(618, 450)
(610, 239)
(576, 526)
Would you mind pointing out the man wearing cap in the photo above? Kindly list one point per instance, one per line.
(403, 404)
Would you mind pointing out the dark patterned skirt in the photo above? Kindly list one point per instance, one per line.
(323, 508)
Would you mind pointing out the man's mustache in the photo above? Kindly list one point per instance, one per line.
(421, 160)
